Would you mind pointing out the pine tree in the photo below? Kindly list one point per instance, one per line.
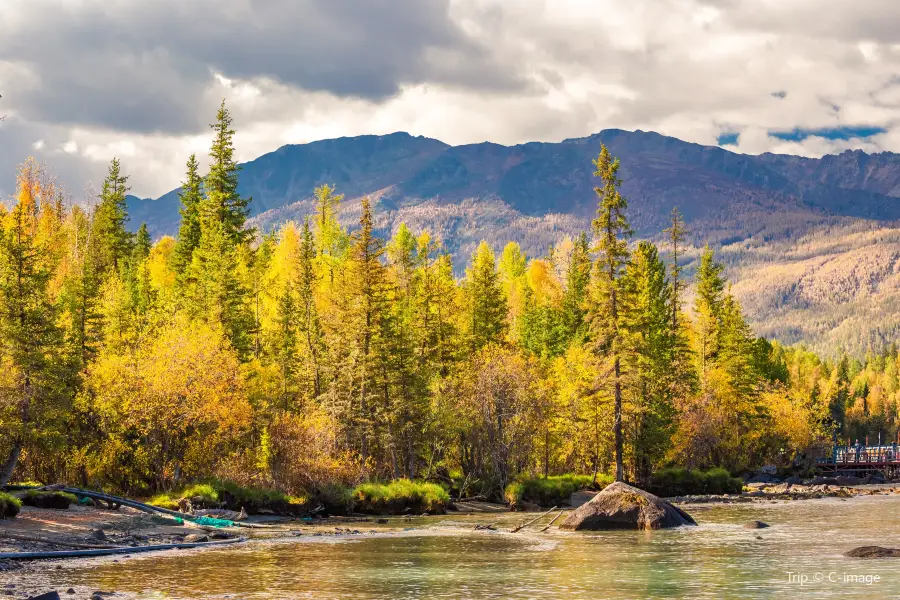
(213, 291)
(708, 311)
(331, 240)
(486, 305)
(223, 202)
(648, 347)
(612, 231)
(287, 317)
(309, 316)
(30, 351)
(575, 297)
(110, 238)
(191, 196)
(676, 234)
(367, 293)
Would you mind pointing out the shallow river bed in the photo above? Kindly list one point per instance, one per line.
(800, 555)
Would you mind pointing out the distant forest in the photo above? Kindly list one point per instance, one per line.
(311, 357)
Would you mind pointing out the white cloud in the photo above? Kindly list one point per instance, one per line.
(493, 70)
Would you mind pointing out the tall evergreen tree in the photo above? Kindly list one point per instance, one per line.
(486, 304)
(110, 237)
(648, 347)
(367, 290)
(223, 202)
(191, 196)
(612, 231)
(578, 279)
(676, 234)
(309, 317)
(708, 311)
(31, 340)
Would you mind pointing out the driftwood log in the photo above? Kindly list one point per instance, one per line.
(538, 518)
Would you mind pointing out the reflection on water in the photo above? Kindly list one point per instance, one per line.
(446, 559)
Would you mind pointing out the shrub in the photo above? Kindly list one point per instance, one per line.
(551, 491)
(57, 500)
(400, 497)
(685, 482)
(9, 506)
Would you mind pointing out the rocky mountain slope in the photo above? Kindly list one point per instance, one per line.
(812, 244)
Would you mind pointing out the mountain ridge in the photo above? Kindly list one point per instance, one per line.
(781, 223)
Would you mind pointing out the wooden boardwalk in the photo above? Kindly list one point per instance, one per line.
(862, 458)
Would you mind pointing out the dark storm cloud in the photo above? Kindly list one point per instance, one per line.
(144, 66)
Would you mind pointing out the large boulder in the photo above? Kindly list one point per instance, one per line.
(621, 506)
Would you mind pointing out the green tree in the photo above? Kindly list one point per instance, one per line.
(223, 202)
(612, 231)
(575, 297)
(485, 301)
(648, 347)
(708, 311)
(191, 196)
(31, 351)
(111, 241)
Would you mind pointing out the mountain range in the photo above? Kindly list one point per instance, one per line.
(812, 245)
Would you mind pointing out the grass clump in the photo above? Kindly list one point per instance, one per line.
(9, 506)
(200, 494)
(550, 491)
(41, 499)
(400, 497)
(688, 482)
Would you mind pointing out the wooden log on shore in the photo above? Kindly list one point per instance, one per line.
(32, 538)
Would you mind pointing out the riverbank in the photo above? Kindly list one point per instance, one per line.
(446, 555)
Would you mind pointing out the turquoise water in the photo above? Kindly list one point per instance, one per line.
(799, 556)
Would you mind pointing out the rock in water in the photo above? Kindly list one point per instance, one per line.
(873, 552)
(755, 525)
(621, 506)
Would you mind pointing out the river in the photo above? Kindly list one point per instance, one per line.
(800, 555)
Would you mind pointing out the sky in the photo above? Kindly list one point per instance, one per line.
(83, 81)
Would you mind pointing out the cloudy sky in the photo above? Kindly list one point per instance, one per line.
(85, 80)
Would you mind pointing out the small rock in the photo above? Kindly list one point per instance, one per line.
(382, 521)
(873, 552)
(98, 534)
(46, 596)
(755, 525)
(759, 537)
(70, 591)
(194, 538)
(219, 535)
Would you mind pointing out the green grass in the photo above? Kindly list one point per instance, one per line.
(9, 506)
(552, 491)
(215, 492)
(170, 500)
(686, 482)
(399, 497)
(40, 499)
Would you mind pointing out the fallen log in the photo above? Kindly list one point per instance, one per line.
(110, 551)
(553, 521)
(538, 518)
(42, 540)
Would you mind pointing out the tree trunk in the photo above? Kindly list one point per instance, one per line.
(617, 423)
(12, 459)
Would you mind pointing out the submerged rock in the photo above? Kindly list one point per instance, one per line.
(621, 506)
(755, 525)
(873, 552)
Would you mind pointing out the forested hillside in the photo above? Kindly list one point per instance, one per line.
(322, 355)
(809, 242)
